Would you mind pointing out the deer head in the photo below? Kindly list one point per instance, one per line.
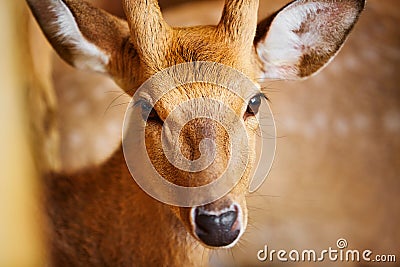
(293, 43)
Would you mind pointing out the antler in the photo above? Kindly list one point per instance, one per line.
(149, 32)
(239, 20)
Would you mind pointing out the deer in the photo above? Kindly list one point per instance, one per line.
(99, 215)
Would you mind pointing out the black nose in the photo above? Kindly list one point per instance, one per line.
(217, 230)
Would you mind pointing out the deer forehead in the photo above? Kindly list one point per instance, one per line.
(199, 43)
(210, 94)
(209, 43)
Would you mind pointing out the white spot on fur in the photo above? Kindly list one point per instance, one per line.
(351, 62)
(361, 122)
(75, 139)
(309, 131)
(87, 56)
(341, 127)
(81, 108)
(100, 143)
(290, 124)
(371, 56)
(114, 127)
(320, 120)
(70, 94)
(391, 121)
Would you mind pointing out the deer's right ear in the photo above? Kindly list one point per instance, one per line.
(304, 36)
(84, 36)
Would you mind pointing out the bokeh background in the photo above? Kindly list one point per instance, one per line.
(337, 167)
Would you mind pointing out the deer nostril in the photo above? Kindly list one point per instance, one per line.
(223, 222)
(217, 230)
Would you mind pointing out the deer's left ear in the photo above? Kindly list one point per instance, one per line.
(300, 39)
(84, 36)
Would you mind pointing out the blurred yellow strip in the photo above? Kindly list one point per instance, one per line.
(20, 240)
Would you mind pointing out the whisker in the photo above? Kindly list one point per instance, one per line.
(113, 101)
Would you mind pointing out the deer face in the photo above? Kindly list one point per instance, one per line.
(292, 44)
(219, 223)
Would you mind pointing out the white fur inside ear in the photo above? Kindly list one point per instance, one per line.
(87, 56)
(302, 28)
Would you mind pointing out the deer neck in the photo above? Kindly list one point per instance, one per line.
(115, 221)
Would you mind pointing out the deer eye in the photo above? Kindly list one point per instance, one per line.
(148, 111)
(253, 106)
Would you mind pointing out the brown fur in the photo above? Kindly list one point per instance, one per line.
(110, 213)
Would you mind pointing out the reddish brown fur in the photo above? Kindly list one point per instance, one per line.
(110, 212)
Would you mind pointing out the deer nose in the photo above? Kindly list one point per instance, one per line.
(217, 229)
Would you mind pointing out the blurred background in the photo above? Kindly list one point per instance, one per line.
(337, 167)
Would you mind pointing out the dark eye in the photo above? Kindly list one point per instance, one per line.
(148, 112)
(253, 106)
